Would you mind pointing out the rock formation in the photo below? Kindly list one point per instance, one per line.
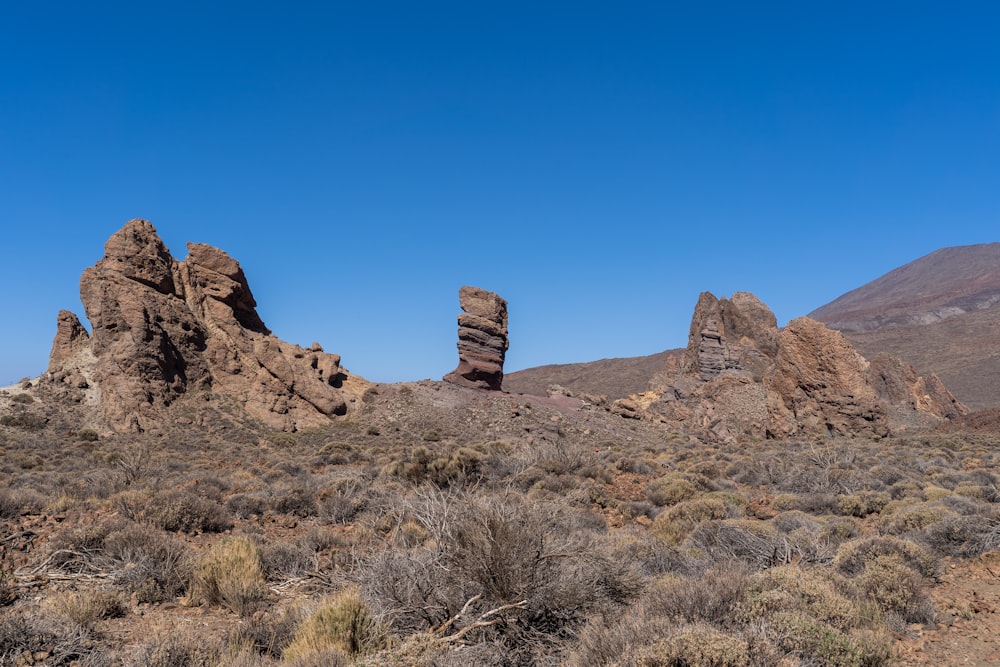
(162, 329)
(742, 376)
(482, 339)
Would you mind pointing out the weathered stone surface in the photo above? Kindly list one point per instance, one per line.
(730, 336)
(163, 328)
(482, 340)
(823, 383)
(70, 338)
(743, 377)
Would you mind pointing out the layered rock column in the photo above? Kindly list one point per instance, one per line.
(482, 340)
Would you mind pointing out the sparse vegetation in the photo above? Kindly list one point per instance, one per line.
(542, 538)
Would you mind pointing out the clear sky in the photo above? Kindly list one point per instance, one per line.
(597, 164)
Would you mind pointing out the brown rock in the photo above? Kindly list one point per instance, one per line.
(824, 383)
(163, 328)
(70, 338)
(730, 336)
(742, 377)
(482, 340)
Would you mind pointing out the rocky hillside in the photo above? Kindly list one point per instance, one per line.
(614, 378)
(939, 312)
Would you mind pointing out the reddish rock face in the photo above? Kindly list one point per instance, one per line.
(163, 328)
(482, 340)
(742, 376)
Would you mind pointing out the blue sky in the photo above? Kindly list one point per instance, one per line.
(597, 164)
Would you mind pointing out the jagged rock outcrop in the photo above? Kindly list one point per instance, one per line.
(732, 337)
(742, 376)
(482, 339)
(70, 338)
(162, 329)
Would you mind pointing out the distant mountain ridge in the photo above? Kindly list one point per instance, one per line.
(940, 312)
(946, 283)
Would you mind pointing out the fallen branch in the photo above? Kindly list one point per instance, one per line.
(440, 630)
(482, 621)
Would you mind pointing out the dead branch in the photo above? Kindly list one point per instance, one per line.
(482, 621)
(440, 630)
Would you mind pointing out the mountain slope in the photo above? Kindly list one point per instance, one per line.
(940, 312)
(943, 284)
(614, 378)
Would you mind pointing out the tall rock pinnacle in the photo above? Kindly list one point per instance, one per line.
(482, 340)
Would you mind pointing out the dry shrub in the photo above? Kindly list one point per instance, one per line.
(710, 597)
(912, 518)
(22, 632)
(755, 543)
(853, 557)
(670, 490)
(969, 489)
(497, 552)
(341, 501)
(77, 548)
(697, 645)
(245, 505)
(812, 592)
(85, 608)
(343, 625)
(458, 467)
(933, 492)
(176, 648)
(149, 562)
(965, 536)
(187, 512)
(863, 503)
(820, 644)
(652, 556)
(809, 613)
(229, 575)
(674, 523)
(296, 497)
(14, 502)
(282, 560)
(267, 633)
(896, 588)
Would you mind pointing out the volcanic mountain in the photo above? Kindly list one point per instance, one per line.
(940, 313)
